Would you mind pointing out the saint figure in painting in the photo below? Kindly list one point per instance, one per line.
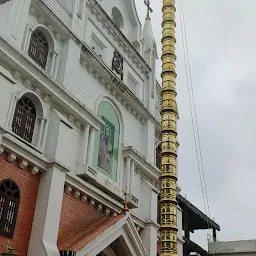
(105, 150)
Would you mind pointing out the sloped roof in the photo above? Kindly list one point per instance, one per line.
(89, 233)
(196, 218)
(80, 223)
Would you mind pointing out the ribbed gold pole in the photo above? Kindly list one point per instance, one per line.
(168, 179)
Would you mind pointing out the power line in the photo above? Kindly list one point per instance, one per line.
(193, 113)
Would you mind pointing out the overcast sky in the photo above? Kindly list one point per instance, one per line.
(221, 41)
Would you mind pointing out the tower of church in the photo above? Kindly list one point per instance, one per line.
(79, 128)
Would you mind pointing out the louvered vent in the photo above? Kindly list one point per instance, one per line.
(131, 85)
(96, 47)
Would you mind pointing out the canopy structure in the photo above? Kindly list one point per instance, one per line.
(194, 219)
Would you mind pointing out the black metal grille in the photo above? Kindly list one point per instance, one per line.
(24, 119)
(158, 157)
(67, 253)
(9, 203)
(38, 48)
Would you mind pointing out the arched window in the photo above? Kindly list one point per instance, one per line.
(38, 48)
(9, 204)
(117, 18)
(158, 156)
(106, 146)
(24, 118)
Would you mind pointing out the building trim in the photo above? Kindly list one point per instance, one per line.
(93, 192)
(57, 91)
(147, 170)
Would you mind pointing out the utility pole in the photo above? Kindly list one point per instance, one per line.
(168, 178)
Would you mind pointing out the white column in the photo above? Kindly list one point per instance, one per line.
(39, 141)
(45, 226)
(149, 234)
(80, 9)
(75, 6)
(53, 62)
(90, 146)
(128, 173)
(85, 143)
(46, 125)
(56, 67)
(28, 39)
(11, 113)
(24, 46)
(149, 238)
(131, 176)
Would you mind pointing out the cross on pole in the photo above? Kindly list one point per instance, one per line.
(149, 9)
(8, 248)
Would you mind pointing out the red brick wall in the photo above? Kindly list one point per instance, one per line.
(28, 185)
(76, 216)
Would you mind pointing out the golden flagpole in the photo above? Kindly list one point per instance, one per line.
(168, 178)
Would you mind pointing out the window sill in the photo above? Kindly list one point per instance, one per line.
(100, 180)
(19, 141)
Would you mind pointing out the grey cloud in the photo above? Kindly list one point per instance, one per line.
(221, 40)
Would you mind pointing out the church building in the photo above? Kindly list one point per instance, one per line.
(79, 129)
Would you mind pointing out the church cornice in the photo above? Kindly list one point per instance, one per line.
(40, 79)
(84, 48)
(115, 86)
(147, 170)
(107, 24)
(94, 194)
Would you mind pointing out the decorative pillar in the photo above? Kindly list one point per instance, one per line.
(128, 172)
(54, 54)
(45, 131)
(24, 46)
(91, 146)
(11, 113)
(168, 178)
(56, 66)
(131, 176)
(41, 128)
(44, 234)
(85, 143)
(28, 40)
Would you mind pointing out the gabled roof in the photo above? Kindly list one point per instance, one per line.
(89, 233)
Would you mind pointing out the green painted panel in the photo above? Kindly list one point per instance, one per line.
(105, 156)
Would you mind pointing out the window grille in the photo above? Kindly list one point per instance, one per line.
(38, 48)
(9, 204)
(24, 119)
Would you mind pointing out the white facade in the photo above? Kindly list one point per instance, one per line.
(229, 248)
(82, 36)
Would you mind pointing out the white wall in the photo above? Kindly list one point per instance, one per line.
(109, 46)
(129, 29)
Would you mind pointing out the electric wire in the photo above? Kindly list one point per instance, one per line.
(193, 114)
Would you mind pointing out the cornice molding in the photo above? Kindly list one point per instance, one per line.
(58, 94)
(107, 24)
(147, 170)
(23, 162)
(146, 114)
(94, 193)
(114, 85)
(85, 198)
